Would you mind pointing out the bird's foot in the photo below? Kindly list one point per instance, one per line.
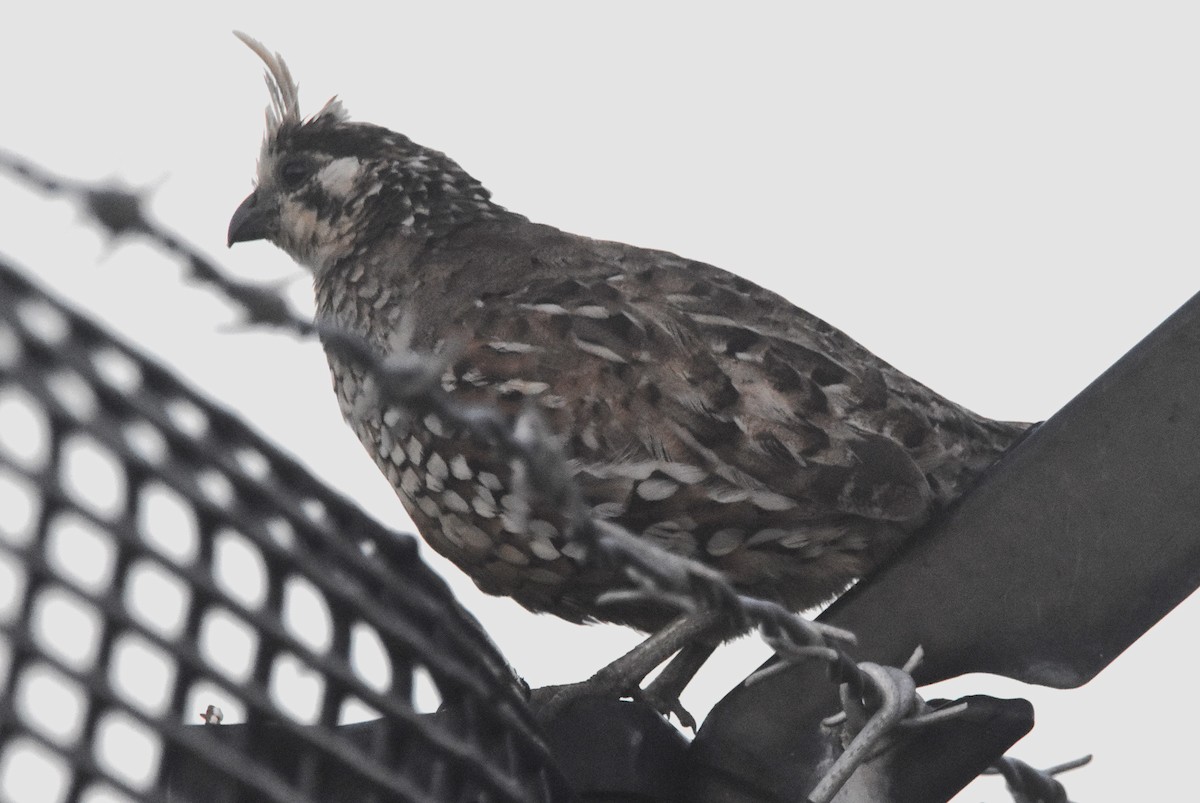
(624, 676)
(621, 678)
(548, 702)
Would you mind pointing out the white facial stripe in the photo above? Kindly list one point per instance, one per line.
(338, 177)
(309, 239)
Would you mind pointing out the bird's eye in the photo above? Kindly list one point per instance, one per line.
(295, 172)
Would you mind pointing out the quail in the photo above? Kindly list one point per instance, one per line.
(699, 411)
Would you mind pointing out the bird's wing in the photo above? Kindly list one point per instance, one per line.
(695, 400)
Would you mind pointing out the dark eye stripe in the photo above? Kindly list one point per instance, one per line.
(294, 172)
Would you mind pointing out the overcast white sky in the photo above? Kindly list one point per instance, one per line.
(1000, 202)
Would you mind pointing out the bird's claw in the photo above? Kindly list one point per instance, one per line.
(666, 705)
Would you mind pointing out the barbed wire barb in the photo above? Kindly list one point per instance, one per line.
(1028, 784)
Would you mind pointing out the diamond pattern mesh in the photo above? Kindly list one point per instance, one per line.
(157, 557)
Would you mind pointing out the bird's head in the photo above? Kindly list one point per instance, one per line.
(329, 188)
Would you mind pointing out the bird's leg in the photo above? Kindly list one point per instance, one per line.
(623, 677)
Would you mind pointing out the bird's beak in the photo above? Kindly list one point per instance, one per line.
(251, 220)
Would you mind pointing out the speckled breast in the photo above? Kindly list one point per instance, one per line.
(465, 505)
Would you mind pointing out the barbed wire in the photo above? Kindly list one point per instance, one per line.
(877, 700)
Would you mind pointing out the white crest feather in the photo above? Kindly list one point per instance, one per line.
(284, 91)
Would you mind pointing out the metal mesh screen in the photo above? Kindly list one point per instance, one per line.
(158, 557)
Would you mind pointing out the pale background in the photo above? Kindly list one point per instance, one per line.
(1000, 199)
